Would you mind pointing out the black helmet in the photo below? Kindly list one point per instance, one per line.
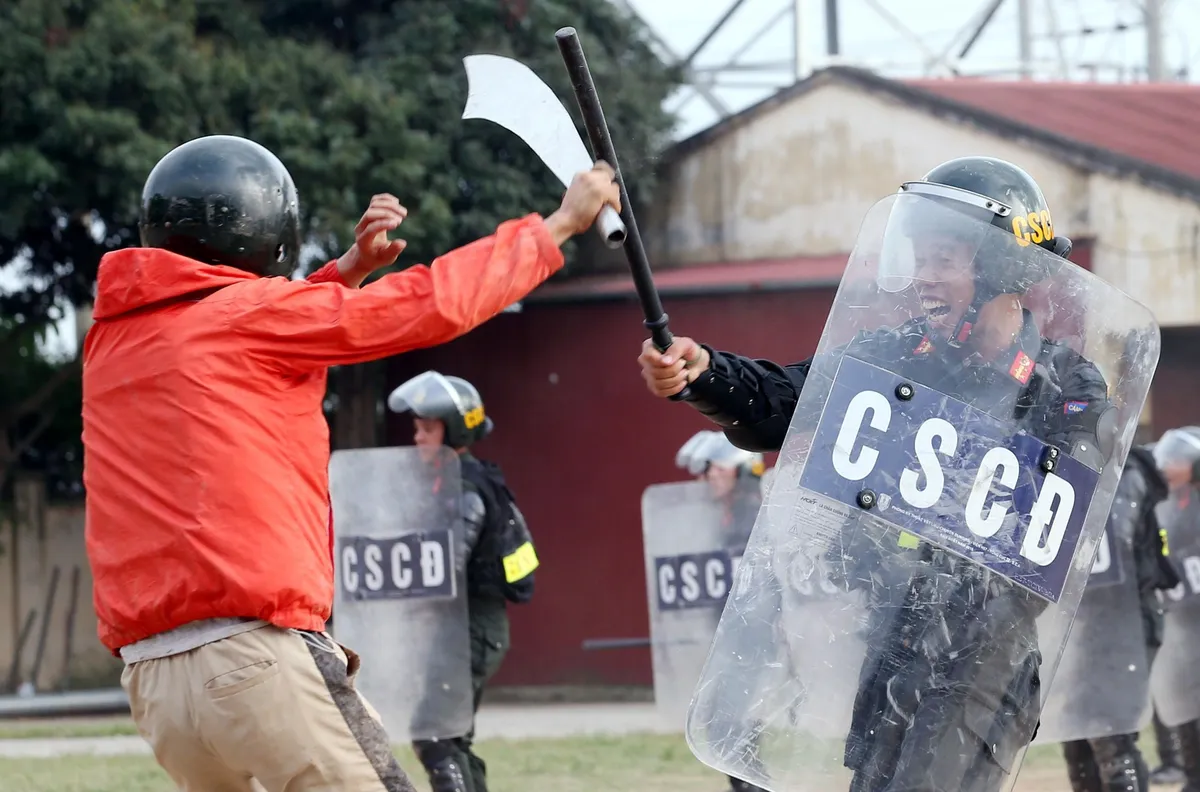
(1006, 196)
(223, 200)
(993, 192)
(451, 400)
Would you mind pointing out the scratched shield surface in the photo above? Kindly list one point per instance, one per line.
(400, 588)
(933, 492)
(1102, 686)
(693, 540)
(1175, 681)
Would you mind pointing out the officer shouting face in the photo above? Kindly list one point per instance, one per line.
(986, 322)
(943, 280)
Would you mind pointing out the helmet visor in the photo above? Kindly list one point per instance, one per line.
(426, 395)
(931, 237)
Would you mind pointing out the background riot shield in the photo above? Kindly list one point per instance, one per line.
(1175, 682)
(1102, 686)
(400, 595)
(692, 543)
(960, 541)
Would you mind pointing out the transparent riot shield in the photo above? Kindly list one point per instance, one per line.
(1175, 682)
(950, 463)
(400, 593)
(693, 542)
(1102, 686)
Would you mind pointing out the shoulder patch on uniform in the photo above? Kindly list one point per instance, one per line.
(520, 563)
(1022, 368)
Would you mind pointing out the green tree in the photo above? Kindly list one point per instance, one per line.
(477, 172)
(96, 91)
(39, 410)
(355, 96)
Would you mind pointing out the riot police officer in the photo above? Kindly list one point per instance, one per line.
(1177, 455)
(1114, 763)
(499, 553)
(733, 476)
(951, 711)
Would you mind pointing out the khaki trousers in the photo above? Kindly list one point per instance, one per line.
(269, 709)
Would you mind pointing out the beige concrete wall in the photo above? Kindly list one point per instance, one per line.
(1148, 245)
(800, 178)
(35, 539)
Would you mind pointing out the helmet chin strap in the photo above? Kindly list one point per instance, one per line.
(962, 331)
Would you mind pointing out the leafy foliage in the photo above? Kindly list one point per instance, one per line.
(355, 96)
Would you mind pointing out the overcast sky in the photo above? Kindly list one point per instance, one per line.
(867, 38)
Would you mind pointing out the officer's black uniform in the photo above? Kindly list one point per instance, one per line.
(1115, 764)
(499, 554)
(949, 714)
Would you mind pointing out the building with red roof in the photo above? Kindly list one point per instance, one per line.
(749, 236)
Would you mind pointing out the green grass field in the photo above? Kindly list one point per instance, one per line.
(650, 763)
(660, 763)
(73, 727)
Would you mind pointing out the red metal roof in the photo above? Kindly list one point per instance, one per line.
(1152, 122)
(754, 275)
(1136, 129)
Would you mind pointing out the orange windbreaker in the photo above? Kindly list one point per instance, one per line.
(206, 450)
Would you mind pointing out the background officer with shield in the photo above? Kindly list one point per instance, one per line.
(710, 457)
(1175, 682)
(732, 477)
(949, 688)
(498, 554)
(1100, 697)
(693, 535)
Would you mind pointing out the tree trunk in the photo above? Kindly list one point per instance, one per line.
(357, 418)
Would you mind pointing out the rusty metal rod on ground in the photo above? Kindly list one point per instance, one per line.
(599, 644)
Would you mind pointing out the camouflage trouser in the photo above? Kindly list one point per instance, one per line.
(452, 765)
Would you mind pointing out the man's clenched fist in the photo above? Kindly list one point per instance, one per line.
(666, 373)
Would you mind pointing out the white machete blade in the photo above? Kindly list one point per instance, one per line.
(508, 93)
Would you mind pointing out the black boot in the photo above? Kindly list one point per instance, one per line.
(1170, 769)
(1081, 767)
(1120, 763)
(447, 776)
(444, 763)
(738, 785)
(1189, 755)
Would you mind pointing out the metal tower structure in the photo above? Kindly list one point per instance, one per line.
(1054, 40)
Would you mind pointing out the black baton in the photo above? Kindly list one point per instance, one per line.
(602, 147)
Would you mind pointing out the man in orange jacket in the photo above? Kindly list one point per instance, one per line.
(206, 455)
